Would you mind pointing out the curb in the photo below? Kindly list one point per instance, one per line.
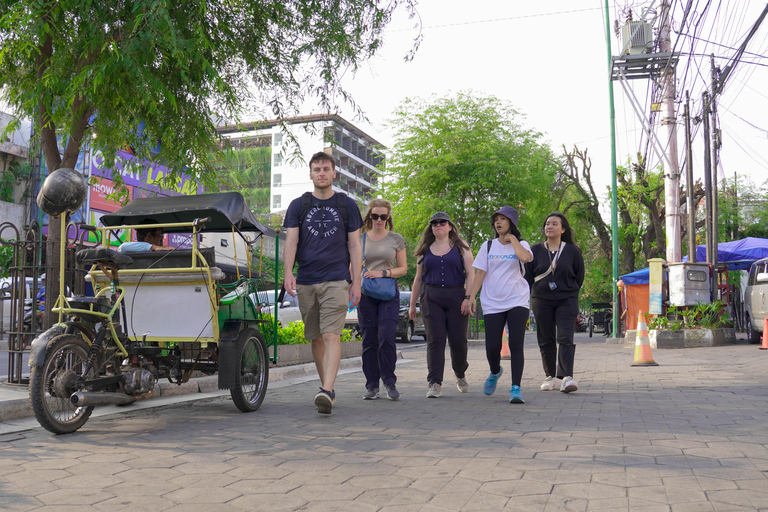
(17, 408)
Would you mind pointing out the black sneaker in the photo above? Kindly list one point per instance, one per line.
(392, 392)
(324, 401)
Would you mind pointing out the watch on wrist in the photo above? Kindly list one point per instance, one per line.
(467, 297)
(383, 273)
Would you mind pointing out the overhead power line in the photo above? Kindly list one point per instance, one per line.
(736, 58)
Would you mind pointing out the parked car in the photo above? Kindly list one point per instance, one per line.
(407, 328)
(287, 311)
(756, 300)
(5, 297)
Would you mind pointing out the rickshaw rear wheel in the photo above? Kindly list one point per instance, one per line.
(51, 385)
(251, 371)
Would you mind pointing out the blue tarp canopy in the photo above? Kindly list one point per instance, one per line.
(739, 255)
(637, 277)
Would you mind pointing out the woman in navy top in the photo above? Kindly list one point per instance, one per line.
(444, 271)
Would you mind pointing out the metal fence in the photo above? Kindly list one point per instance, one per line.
(22, 315)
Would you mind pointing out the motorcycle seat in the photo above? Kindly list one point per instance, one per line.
(99, 304)
(104, 256)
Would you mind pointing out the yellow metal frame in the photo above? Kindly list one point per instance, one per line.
(62, 306)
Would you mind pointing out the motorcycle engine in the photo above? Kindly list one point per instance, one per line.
(138, 381)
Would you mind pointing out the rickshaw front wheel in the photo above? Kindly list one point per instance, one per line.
(251, 371)
(51, 385)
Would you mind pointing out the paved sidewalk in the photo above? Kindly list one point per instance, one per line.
(688, 435)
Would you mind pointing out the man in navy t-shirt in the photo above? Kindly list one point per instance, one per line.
(324, 245)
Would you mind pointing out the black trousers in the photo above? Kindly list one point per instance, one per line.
(441, 308)
(515, 320)
(555, 323)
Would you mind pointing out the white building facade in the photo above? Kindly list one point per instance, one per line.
(359, 157)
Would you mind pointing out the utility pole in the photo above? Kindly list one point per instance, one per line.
(689, 181)
(614, 192)
(735, 226)
(715, 149)
(708, 184)
(669, 120)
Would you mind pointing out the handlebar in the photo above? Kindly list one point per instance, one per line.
(200, 222)
(88, 227)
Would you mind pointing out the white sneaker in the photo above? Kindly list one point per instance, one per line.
(569, 385)
(549, 384)
(461, 384)
(435, 390)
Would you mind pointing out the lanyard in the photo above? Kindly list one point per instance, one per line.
(553, 262)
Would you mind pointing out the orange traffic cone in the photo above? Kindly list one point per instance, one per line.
(505, 346)
(764, 346)
(643, 356)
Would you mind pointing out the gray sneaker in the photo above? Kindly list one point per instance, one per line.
(392, 392)
(435, 390)
(371, 394)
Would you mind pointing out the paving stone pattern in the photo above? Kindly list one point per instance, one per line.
(688, 435)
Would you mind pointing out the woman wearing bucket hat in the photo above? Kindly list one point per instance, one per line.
(505, 297)
(556, 275)
(444, 271)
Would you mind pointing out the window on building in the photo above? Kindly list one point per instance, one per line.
(277, 139)
(278, 160)
(276, 201)
(277, 180)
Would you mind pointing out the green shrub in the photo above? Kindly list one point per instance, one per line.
(293, 333)
(701, 316)
(6, 259)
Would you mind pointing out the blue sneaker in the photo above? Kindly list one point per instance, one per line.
(490, 383)
(514, 396)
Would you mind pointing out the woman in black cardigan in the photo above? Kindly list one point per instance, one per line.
(556, 275)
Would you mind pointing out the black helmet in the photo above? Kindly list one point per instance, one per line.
(62, 191)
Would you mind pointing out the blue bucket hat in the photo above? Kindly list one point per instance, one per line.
(509, 213)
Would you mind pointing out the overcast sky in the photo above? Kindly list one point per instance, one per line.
(549, 59)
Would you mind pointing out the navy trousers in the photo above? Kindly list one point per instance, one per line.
(378, 323)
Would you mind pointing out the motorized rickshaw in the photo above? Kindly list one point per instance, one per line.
(154, 315)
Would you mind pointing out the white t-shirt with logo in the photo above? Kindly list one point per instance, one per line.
(504, 286)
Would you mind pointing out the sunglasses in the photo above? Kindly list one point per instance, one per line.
(439, 222)
(376, 216)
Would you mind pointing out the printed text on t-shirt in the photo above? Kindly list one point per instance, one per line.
(503, 257)
(316, 221)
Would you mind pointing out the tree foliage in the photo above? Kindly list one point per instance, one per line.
(132, 74)
(248, 172)
(743, 209)
(468, 156)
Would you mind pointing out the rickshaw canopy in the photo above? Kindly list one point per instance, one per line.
(226, 209)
